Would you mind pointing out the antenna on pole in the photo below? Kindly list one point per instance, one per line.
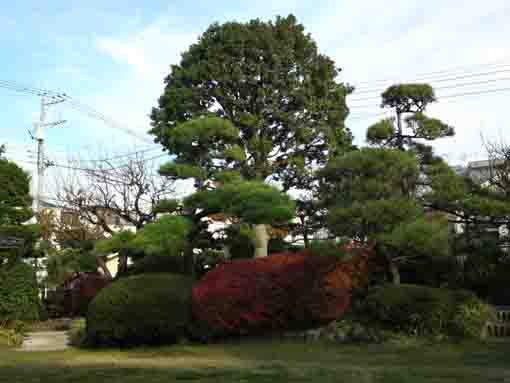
(39, 127)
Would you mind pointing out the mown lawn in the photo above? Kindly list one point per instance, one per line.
(265, 362)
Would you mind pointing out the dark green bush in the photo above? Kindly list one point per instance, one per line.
(19, 296)
(240, 242)
(486, 271)
(429, 271)
(159, 264)
(328, 248)
(421, 310)
(141, 309)
(277, 245)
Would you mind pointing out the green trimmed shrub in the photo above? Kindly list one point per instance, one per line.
(471, 315)
(28, 233)
(141, 309)
(12, 333)
(159, 264)
(78, 333)
(329, 248)
(10, 337)
(19, 296)
(421, 310)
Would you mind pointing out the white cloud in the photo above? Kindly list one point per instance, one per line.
(369, 39)
(125, 52)
(144, 58)
(148, 52)
(401, 40)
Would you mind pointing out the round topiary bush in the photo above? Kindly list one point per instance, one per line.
(422, 310)
(19, 296)
(141, 309)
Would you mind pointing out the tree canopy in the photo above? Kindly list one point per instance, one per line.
(251, 202)
(15, 210)
(372, 196)
(250, 101)
(409, 101)
(277, 104)
(15, 199)
(370, 191)
(167, 236)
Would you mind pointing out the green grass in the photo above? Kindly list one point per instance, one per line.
(265, 362)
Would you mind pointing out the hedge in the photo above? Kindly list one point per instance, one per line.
(141, 309)
(159, 264)
(422, 310)
(19, 296)
(281, 292)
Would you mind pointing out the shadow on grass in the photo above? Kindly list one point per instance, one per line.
(116, 374)
(88, 374)
(264, 362)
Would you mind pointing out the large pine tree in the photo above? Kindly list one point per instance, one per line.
(271, 83)
(253, 101)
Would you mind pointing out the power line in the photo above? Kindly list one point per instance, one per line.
(482, 82)
(124, 155)
(78, 106)
(439, 73)
(92, 113)
(30, 90)
(70, 167)
(475, 93)
(120, 156)
(103, 173)
(441, 97)
(365, 117)
(448, 79)
(111, 169)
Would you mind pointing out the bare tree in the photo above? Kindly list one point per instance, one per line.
(498, 170)
(112, 196)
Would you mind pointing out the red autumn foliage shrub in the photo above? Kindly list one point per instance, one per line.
(281, 292)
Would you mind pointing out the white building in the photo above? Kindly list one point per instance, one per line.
(482, 172)
(70, 218)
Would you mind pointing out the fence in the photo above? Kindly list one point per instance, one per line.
(500, 326)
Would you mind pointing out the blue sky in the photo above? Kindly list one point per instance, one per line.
(113, 55)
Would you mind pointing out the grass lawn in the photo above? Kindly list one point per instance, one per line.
(264, 362)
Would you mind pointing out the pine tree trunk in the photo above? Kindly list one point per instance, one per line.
(306, 240)
(400, 138)
(103, 267)
(226, 251)
(395, 273)
(189, 260)
(123, 263)
(261, 240)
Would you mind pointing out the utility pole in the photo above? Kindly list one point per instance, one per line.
(42, 164)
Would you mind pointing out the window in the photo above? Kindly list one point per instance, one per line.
(70, 218)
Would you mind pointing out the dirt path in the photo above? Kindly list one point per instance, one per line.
(46, 341)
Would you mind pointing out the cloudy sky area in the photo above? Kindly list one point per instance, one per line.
(113, 55)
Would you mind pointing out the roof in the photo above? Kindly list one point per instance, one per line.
(47, 204)
(484, 164)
